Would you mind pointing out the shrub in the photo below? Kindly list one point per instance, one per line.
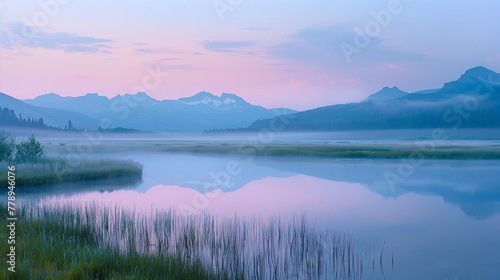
(29, 151)
(7, 146)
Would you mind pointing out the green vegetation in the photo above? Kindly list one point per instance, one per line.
(7, 146)
(29, 151)
(33, 168)
(340, 149)
(343, 151)
(49, 249)
(119, 130)
(60, 170)
(93, 241)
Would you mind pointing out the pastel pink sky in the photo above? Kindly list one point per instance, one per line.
(279, 54)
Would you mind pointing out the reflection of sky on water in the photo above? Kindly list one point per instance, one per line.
(473, 185)
(442, 222)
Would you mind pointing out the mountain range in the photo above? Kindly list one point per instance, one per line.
(52, 117)
(387, 93)
(197, 113)
(472, 101)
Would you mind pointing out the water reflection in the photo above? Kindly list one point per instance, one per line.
(72, 188)
(472, 185)
(444, 217)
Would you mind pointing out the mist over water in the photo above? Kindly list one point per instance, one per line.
(444, 217)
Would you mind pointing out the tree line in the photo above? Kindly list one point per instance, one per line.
(8, 117)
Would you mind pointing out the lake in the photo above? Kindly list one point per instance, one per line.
(438, 220)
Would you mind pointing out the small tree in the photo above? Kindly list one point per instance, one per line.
(70, 125)
(29, 151)
(7, 146)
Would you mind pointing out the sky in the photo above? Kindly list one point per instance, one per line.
(280, 53)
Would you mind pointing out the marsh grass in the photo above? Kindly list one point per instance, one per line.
(233, 248)
(46, 248)
(61, 170)
(345, 151)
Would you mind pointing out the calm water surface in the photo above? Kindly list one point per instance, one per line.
(439, 221)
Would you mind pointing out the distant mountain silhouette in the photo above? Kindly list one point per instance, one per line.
(426, 91)
(387, 94)
(51, 117)
(471, 101)
(470, 80)
(88, 104)
(197, 113)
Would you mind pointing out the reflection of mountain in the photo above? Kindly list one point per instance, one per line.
(72, 188)
(473, 185)
(200, 172)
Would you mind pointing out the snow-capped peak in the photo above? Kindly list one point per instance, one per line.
(224, 102)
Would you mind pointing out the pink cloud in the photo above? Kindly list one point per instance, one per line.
(493, 58)
(344, 81)
(392, 66)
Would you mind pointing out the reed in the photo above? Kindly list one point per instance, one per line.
(47, 248)
(232, 248)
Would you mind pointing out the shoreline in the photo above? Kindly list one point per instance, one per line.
(57, 170)
(349, 151)
(467, 150)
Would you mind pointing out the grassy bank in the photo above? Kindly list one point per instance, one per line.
(93, 241)
(343, 151)
(61, 170)
(49, 249)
